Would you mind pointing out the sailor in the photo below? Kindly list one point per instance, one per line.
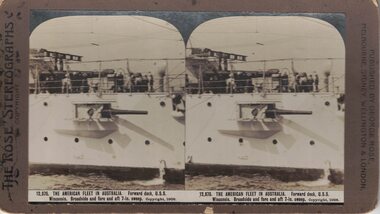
(285, 82)
(66, 83)
(260, 87)
(127, 83)
(132, 82)
(187, 80)
(230, 84)
(187, 83)
(310, 83)
(49, 86)
(340, 100)
(244, 78)
(258, 112)
(303, 82)
(248, 83)
(213, 84)
(145, 83)
(43, 83)
(150, 82)
(75, 81)
(93, 87)
(277, 77)
(138, 82)
(326, 80)
(119, 82)
(177, 100)
(297, 82)
(84, 84)
(208, 84)
(292, 83)
(239, 81)
(316, 82)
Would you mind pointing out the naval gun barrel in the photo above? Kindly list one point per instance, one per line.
(107, 113)
(271, 113)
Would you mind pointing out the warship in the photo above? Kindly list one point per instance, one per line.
(236, 122)
(268, 121)
(97, 121)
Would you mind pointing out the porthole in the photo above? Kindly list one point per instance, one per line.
(312, 142)
(209, 139)
(162, 104)
(274, 141)
(46, 139)
(327, 103)
(76, 140)
(241, 140)
(45, 104)
(209, 104)
(147, 142)
(110, 141)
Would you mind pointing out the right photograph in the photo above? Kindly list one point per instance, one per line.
(265, 104)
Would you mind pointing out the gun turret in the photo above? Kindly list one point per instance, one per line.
(272, 113)
(108, 113)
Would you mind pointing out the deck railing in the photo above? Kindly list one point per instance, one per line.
(125, 85)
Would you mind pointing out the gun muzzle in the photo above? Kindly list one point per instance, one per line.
(107, 113)
(273, 112)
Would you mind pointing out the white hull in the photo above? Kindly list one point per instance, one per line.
(233, 141)
(128, 133)
(216, 136)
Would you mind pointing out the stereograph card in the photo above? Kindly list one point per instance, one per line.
(194, 106)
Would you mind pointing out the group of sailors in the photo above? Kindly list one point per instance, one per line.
(135, 82)
(299, 82)
(84, 82)
(234, 82)
(245, 82)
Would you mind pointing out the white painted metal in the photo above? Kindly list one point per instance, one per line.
(217, 117)
(55, 120)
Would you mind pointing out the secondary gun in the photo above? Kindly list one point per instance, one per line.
(109, 112)
(272, 113)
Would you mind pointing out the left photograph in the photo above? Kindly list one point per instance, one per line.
(106, 104)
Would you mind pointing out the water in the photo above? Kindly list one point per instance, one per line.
(324, 181)
(235, 182)
(256, 182)
(96, 182)
(260, 182)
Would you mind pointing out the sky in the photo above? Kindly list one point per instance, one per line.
(114, 37)
(146, 38)
(276, 37)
